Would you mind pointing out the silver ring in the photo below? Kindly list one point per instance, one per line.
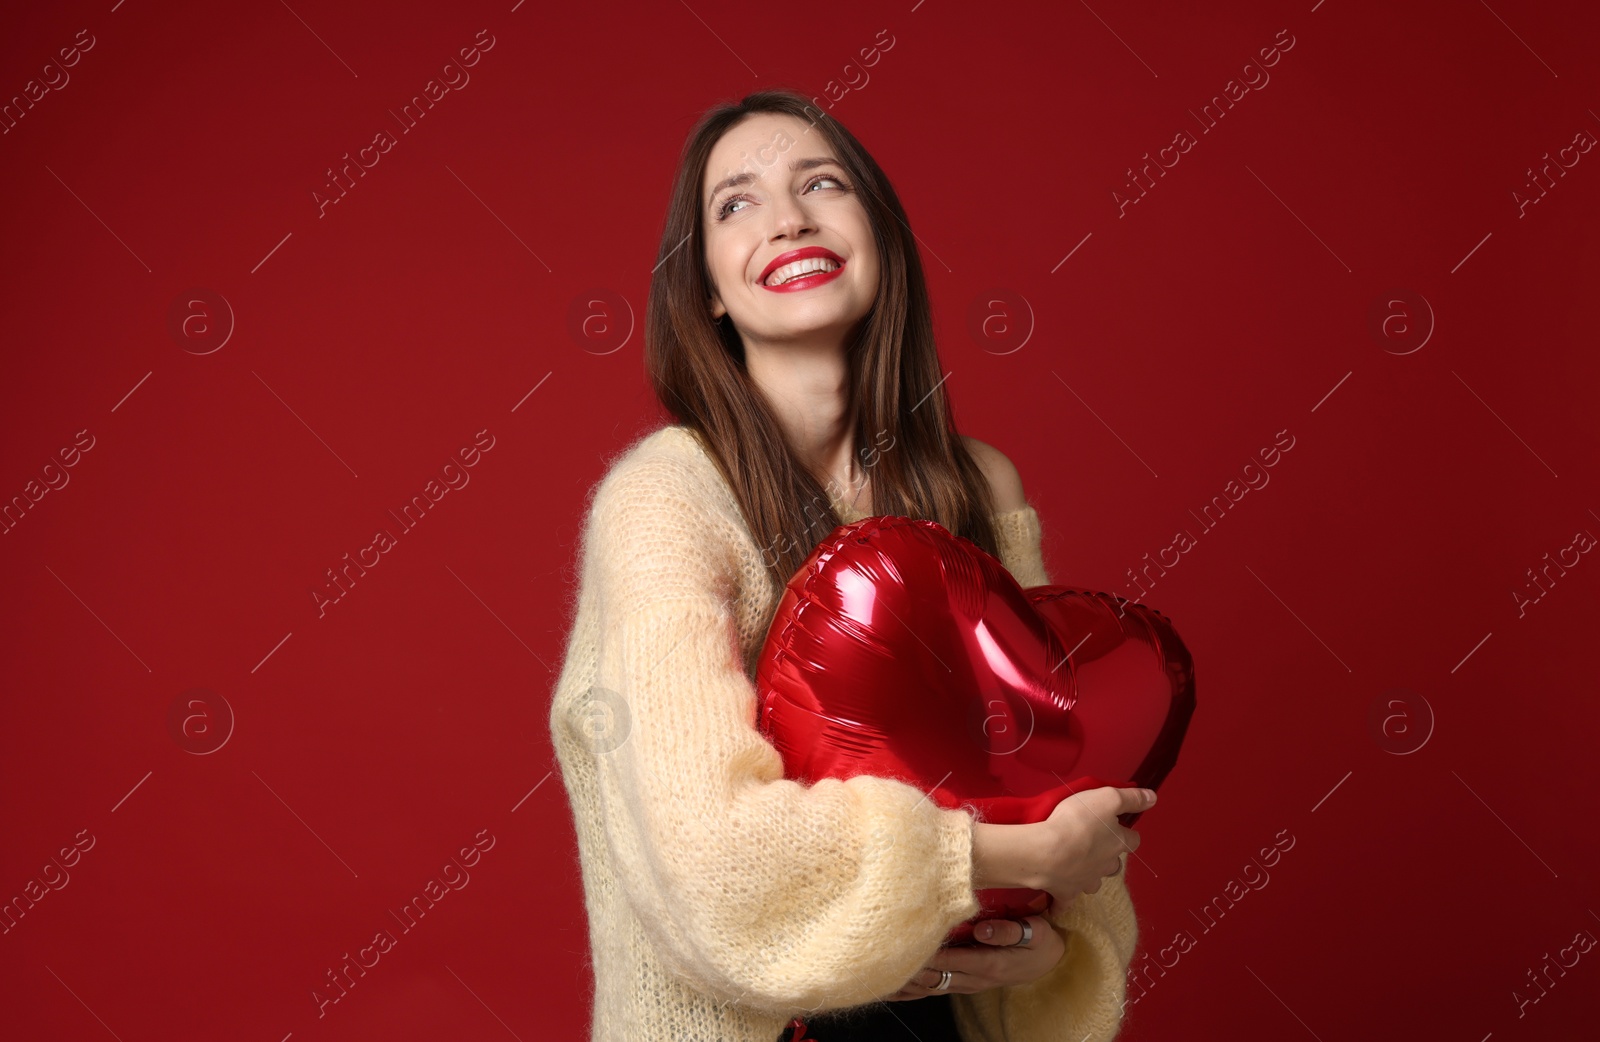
(944, 980)
(1027, 933)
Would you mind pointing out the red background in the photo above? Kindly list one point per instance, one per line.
(1431, 468)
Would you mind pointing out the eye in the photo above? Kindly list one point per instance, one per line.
(725, 207)
(825, 177)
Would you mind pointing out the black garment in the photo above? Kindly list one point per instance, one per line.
(914, 1020)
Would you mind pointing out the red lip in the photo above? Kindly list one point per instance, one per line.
(803, 253)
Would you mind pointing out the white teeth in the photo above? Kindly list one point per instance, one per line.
(809, 266)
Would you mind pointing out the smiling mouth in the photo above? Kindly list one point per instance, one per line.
(803, 274)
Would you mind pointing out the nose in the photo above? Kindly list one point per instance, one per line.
(790, 218)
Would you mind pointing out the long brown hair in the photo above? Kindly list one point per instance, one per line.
(901, 415)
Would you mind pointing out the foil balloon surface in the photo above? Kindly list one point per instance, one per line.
(902, 651)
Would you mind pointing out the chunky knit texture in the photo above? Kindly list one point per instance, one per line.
(723, 899)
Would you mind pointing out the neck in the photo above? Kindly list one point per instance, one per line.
(807, 386)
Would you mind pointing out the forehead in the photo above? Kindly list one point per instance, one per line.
(758, 144)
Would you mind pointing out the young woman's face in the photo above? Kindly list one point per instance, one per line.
(795, 197)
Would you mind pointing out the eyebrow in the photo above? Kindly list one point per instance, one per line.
(745, 177)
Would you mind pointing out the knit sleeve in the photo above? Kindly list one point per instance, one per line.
(1020, 539)
(770, 893)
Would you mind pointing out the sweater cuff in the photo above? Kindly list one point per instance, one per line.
(955, 854)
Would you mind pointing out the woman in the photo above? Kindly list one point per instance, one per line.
(789, 333)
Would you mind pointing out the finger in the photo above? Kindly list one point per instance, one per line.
(1003, 932)
(962, 959)
(1135, 800)
(917, 987)
(1114, 801)
(911, 989)
(1029, 929)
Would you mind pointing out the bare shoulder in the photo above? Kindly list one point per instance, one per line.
(1004, 480)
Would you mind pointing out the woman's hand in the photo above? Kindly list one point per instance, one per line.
(997, 961)
(1068, 853)
(1085, 840)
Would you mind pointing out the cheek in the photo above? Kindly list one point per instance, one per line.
(867, 265)
(866, 252)
(721, 265)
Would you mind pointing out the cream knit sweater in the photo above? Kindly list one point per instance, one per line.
(723, 899)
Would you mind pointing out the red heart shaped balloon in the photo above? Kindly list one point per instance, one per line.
(902, 651)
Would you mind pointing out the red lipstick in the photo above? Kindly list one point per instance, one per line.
(805, 281)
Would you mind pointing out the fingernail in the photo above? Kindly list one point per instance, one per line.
(1150, 795)
(986, 931)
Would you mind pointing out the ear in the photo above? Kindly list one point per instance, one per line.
(716, 307)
